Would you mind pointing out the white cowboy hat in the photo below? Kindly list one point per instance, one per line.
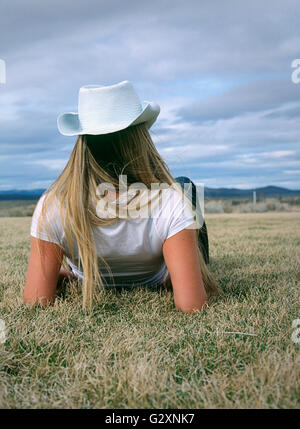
(106, 109)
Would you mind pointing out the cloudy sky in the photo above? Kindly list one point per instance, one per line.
(220, 70)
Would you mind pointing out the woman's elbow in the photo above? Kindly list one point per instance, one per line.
(41, 301)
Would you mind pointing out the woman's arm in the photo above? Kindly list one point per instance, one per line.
(182, 260)
(41, 283)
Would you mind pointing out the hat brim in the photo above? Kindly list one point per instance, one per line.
(69, 124)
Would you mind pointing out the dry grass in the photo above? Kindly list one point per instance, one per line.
(17, 208)
(137, 351)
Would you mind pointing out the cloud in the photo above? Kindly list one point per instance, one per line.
(250, 97)
(221, 72)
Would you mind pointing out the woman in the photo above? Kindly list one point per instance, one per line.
(107, 219)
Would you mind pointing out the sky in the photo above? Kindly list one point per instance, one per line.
(220, 71)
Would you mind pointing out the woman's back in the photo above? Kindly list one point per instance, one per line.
(131, 247)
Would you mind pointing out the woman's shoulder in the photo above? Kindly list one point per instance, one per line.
(47, 208)
(173, 196)
(175, 212)
(49, 202)
(46, 222)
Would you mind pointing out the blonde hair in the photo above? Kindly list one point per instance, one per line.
(94, 160)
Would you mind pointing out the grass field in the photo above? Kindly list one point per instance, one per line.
(17, 208)
(137, 351)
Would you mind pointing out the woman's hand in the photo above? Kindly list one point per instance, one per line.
(65, 274)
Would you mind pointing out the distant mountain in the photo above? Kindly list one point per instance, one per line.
(267, 191)
(16, 194)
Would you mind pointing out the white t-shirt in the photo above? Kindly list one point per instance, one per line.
(131, 247)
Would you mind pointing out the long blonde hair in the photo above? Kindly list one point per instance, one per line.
(94, 160)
